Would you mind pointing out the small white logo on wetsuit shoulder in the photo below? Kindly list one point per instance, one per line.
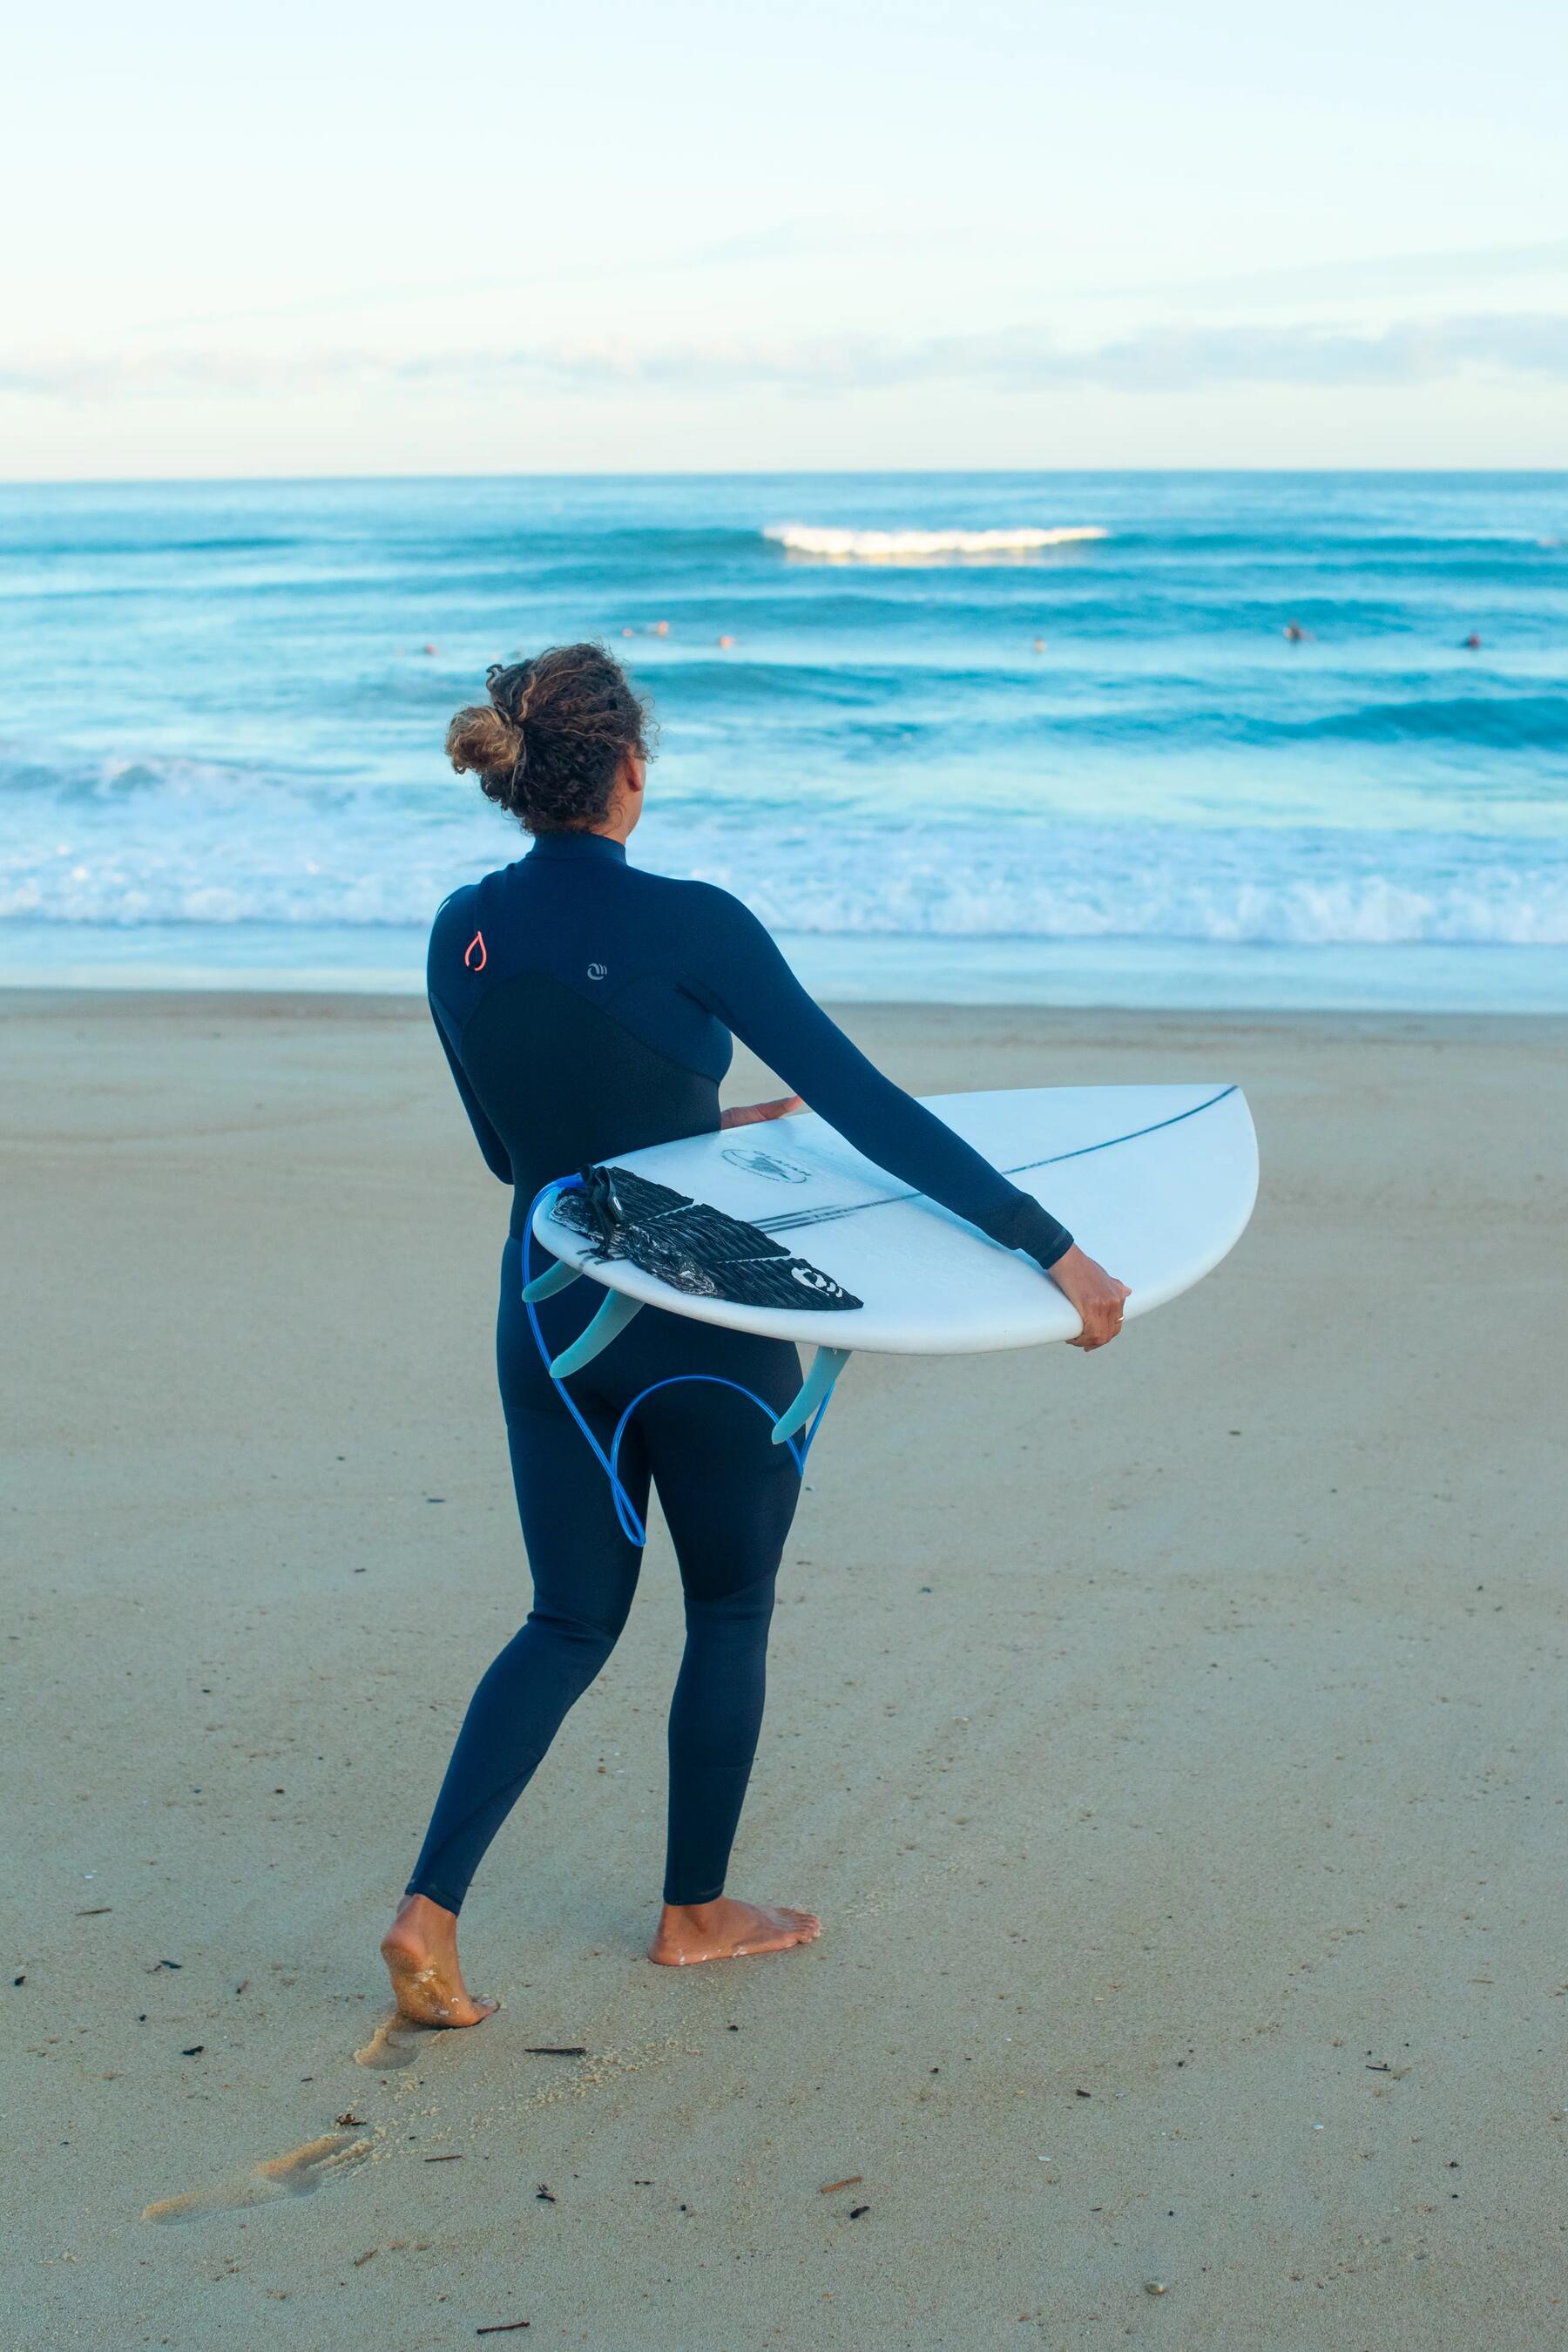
(596, 971)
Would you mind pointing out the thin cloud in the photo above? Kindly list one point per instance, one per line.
(1153, 360)
(792, 240)
(1394, 274)
(817, 237)
(1180, 359)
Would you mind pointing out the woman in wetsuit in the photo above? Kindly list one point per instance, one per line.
(586, 1009)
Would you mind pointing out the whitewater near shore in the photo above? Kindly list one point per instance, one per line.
(1172, 1742)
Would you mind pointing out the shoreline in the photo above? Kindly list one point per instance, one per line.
(1083, 974)
(48, 1000)
(1170, 1739)
(337, 1002)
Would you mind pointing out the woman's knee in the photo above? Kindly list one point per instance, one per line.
(565, 1644)
(588, 1636)
(742, 1614)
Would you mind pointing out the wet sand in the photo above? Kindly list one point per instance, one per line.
(1172, 1742)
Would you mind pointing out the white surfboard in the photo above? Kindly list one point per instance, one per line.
(1156, 1183)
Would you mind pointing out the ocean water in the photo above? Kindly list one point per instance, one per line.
(1008, 737)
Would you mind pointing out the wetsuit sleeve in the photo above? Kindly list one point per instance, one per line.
(449, 921)
(746, 981)
(497, 1158)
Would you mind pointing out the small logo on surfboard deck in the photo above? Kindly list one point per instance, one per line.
(811, 1277)
(597, 971)
(763, 1163)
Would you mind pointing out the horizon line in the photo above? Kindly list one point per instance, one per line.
(775, 473)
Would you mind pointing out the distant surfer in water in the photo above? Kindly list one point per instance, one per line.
(586, 1009)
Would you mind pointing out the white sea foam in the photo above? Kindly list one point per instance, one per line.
(909, 546)
(180, 842)
(1095, 882)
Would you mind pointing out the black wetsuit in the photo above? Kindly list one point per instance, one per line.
(586, 1009)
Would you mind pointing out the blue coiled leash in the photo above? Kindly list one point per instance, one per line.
(631, 1525)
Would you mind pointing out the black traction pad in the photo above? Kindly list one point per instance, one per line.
(694, 1248)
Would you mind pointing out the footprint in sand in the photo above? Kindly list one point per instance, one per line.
(394, 2042)
(294, 2174)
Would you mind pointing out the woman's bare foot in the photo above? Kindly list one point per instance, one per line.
(420, 1949)
(727, 1930)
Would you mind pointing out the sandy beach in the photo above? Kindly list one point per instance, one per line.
(1172, 1742)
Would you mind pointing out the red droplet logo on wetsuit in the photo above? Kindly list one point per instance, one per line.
(475, 957)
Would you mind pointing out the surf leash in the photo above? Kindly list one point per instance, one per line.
(631, 1523)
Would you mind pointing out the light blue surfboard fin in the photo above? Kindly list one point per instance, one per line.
(613, 1315)
(554, 1277)
(814, 1389)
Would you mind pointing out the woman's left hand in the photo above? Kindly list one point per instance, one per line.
(749, 1114)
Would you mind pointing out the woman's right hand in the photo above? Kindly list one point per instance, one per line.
(1098, 1295)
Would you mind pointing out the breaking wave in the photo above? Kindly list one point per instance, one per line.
(919, 546)
(1500, 722)
(176, 842)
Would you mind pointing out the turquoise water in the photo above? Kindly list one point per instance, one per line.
(1078, 770)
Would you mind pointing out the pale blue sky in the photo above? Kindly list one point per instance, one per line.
(327, 238)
